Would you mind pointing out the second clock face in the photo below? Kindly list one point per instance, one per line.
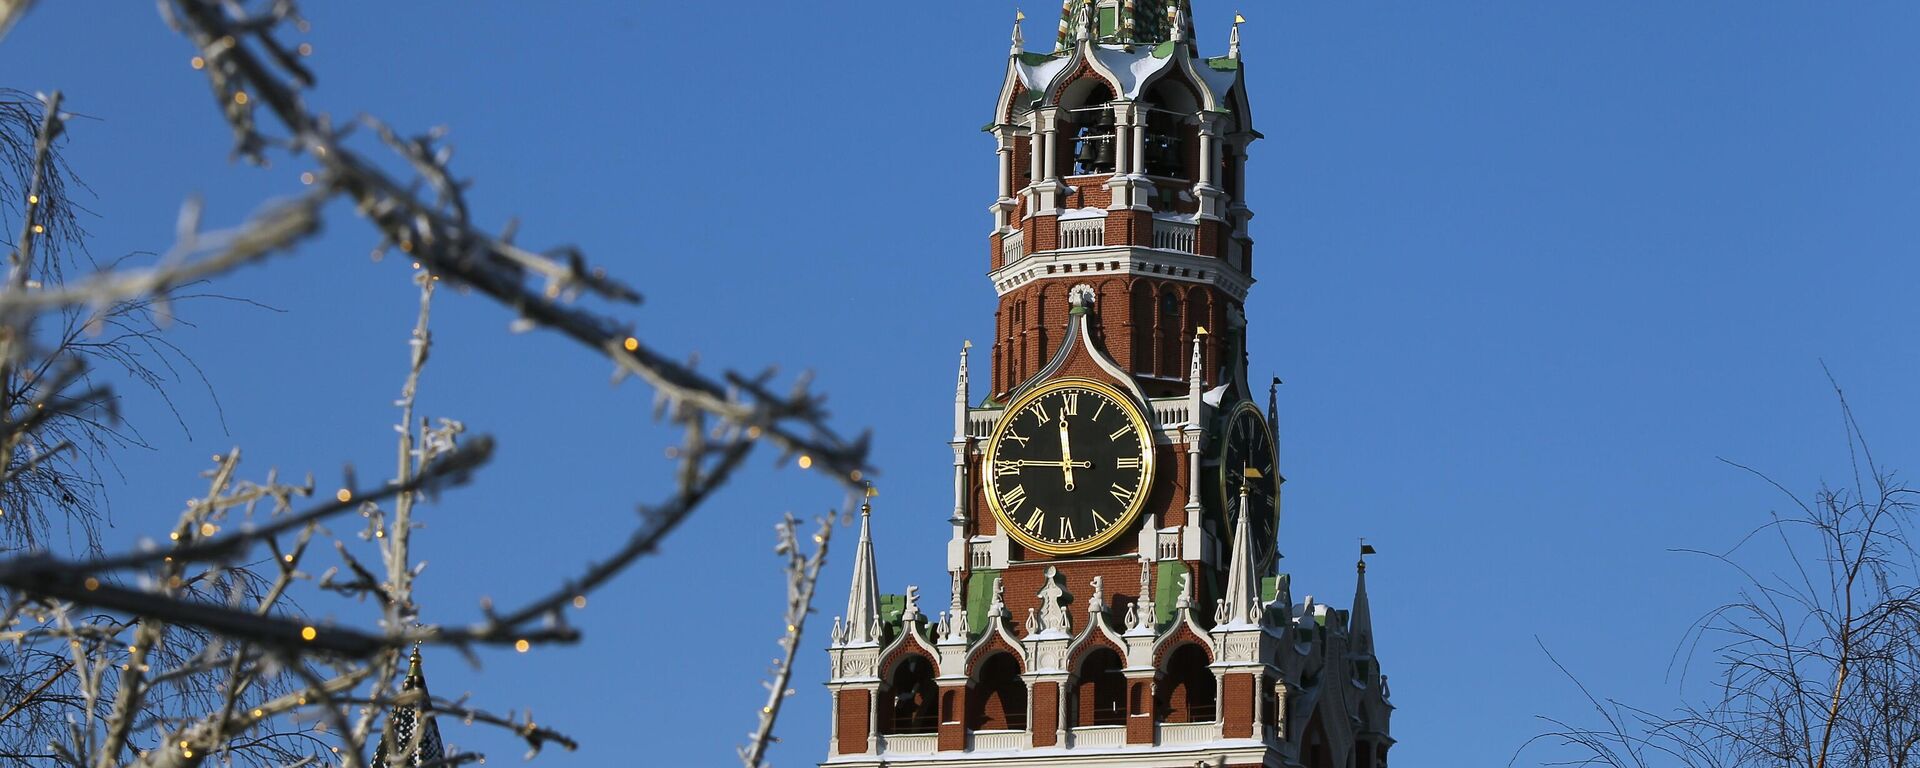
(1247, 444)
(1068, 466)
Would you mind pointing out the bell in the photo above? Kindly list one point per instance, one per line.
(1087, 151)
(1106, 121)
(1103, 158)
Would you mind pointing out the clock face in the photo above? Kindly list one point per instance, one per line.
(1248, 444)
(1068, 466)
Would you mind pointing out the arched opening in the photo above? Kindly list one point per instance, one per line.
(1101, 690)
(1187, 691)
(1169, 138)
(999, 698)
(1167, 328)
(1087, 132)
(1200, 312)
(1317, 752)
(908, 701)
(1040, 327)
(1141, 318)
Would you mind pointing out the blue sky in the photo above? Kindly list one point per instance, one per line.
(1528, 268)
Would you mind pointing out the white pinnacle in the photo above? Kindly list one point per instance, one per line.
(863, 598)
(1241, 603)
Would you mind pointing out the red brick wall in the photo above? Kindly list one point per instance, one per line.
(953, 718)
(1046, 713)
(1236, 707)
(1140, 712)
(1089, 191)
(854, 718)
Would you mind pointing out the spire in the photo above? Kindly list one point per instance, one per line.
(959, 443)
(1273, 423)
(1241, 603)
(863, 598)
(1019, 38)
(1360, 623)
(1233, 41)
(1143, 616)
(407, 720)
(1194, 384)
(960, 395)
(956, 613)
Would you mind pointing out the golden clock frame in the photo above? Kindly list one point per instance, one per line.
(1147, 463)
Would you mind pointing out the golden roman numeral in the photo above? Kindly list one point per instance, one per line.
(1014, 497)
(1130, 462)
(1033, 520)
(1005, 467)
(1097, 519)
(1071, 405)
(1015, 436)
(1125, 495)
(1096, 411)
(1040, 415)
(1118, 433)
(1066, 529)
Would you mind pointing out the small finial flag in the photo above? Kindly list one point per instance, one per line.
(1200, 330)
(1367, 549)
(872, 491)
(1239, 19)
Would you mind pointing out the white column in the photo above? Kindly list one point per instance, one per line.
(1050, 128)
(1036, 156)
(1139, 165)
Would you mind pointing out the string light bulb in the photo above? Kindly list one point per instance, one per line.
(521, 645)
(343, 495)
(198, 63)
(308, 633)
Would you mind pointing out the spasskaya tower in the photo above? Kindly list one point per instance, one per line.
(1116, 597)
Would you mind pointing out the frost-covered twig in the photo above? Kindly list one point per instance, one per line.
(803, 574)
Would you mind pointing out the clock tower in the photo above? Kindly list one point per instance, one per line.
(1116, 591)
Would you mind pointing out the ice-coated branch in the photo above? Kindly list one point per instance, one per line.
(803, 574)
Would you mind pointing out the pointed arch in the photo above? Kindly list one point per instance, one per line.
(998, 699)
(1187, 692)
(1199, 312)
(1100, 688)
(1317, 751)
(1168, 322)
(1140, 318)
(908, 700)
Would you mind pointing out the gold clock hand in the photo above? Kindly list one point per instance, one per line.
(1032, 463)
(1066, 453)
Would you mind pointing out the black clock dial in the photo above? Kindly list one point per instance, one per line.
(1068, 466)
(1247, 444)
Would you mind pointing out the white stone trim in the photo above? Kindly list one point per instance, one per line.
(1083, 263)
